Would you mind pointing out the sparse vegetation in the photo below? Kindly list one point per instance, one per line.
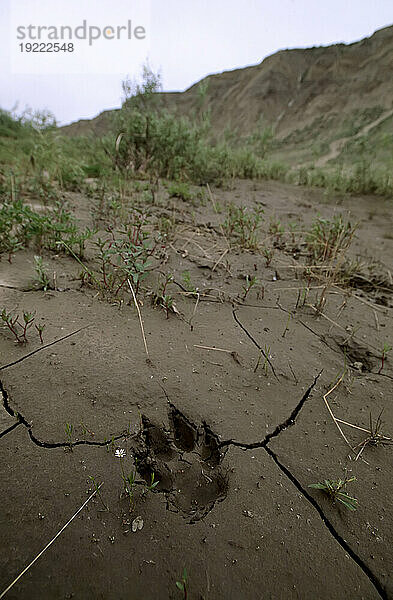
(335, 489)
(163, 298)
(242, 225)
(20, 329)
(120, 229)
(328, 238)
(385, 350)
(69, 431)
(375, 435)
(42, 276)
(250, 283)
(189, 286)
(182, 585)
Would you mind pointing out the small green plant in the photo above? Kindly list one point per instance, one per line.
(163, 299)
(180, 190)
(268, 253)
(40, 329)
(250, 283)
(78, 238)
(328, 238)
(276, 229)
(28, 319)
(69, 429)
(19, 330)
(129, 480)
(385, 350)
(125, 257)
(166, 226)
(153, 484)
(375, 436)
(42, 276)
(97, 489)
(335, 489)
(243, 225)
(188, 284)
(11, 322)
(182, 585)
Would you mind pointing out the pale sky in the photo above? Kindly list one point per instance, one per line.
(185, 39)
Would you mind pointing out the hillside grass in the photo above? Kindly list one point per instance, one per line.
(144, 142)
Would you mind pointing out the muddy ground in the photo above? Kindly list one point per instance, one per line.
(233, 443)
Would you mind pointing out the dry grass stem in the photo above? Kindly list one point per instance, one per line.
(139, 315)
(50, 543)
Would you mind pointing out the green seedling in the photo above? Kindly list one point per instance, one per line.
(42, 276)
(385, 350)
(86, 430)
(28, 319)
(79, 238)
(243, 225)
(335, 489)
(129, 480)
(163, 299)
(275, 228)
(12, 323)
(268, 253)
(188, 284)
(167, 304)
(153, 483)
(166, 227)
(19, 330)
(69, 428)
(40, 329)
(250, 282)
(97, 489)
(182, 585)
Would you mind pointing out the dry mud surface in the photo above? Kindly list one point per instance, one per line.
(233, 444)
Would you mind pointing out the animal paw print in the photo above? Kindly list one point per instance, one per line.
(186, 460)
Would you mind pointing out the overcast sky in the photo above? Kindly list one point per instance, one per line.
(185, 39)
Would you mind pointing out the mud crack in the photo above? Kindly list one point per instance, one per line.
(339, 539)
(265, 445)
(21, 420)
(9, 429)
(281, 427)
(248, 334)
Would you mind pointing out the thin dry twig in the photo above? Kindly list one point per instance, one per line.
(139, 315)
(248, 334)
(374, 437)
(50, 543)
(233, 353)
(325, 396)
(15, 362)
(194, 311)
(376, 320)
(213, 348)
(220, 259)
